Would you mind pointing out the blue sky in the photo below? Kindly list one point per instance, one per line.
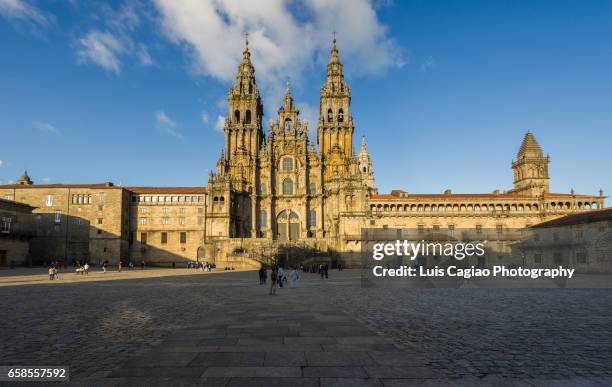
(132, 91)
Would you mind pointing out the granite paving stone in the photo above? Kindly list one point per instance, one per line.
(223, 329)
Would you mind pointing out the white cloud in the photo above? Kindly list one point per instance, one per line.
(163, 119)
(45, 179)
(22, 10)
(107, 48)
(205, 117)
(45, 126)
(101, 48)
(309, 114)
(429, 64)
(1, 163)
(143, 56)
(282, 43)
(220, 124)
(167, 125)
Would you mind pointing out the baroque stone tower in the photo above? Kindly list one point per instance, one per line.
(365, 164)
(531, 168)
(335, 131)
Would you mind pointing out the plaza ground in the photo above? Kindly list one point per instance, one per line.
(185, 327)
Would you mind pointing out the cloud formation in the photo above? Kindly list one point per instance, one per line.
(429, 63)
(205, 117)
(46, 127)
(101, 48)
(1, 163)
(286, 37)
(220, 124)
(107, 48)
(167, 125)
(22, 10)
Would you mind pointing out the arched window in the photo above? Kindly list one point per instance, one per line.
(287, 187)
(312, 218)
(263, 221)
(247, 118)
(237, 116)
(287, 125)
(330, 116)
(340, 116)
(287, 164)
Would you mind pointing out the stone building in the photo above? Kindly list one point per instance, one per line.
(105, 222)
(16, 230)
(166, 224)
(582, 241)
(275, 191)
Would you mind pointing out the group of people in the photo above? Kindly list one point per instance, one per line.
(321, 269)
(202, 266)
(53, 271)
(82, 269)
(278, 278)
(55, 266)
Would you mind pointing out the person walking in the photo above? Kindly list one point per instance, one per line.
(104, 264)
(294, 278)
(86, 268)
(326, 270)
(51, 276)
(273, 281)
(120, 264)
(142, 264)
(321, 271)
(280, 272)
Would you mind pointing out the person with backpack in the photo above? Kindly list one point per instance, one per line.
(273, 281)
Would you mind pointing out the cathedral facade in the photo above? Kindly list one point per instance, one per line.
(273, 190)
(280, 185)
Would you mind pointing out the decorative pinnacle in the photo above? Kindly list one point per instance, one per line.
(288, 85)
(334, 48)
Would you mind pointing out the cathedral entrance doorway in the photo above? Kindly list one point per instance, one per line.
(288, 226)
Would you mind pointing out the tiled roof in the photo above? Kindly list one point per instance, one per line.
(550, 194)
(33, 186)
(474, 196)
(137, 190)
(449, 196)
(17, 204)
(530, 147)
(578, 218)
(167, 190)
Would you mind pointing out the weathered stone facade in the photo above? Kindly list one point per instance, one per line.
(278, 187)
(276, 190)
(582, 241)
(16, 229)
(166, 224)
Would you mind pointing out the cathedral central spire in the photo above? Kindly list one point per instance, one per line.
(334, 66)
(288, 97)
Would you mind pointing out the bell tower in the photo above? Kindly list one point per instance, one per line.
(530, 168)
(243, 130)
(365, 164)
(335, 131)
